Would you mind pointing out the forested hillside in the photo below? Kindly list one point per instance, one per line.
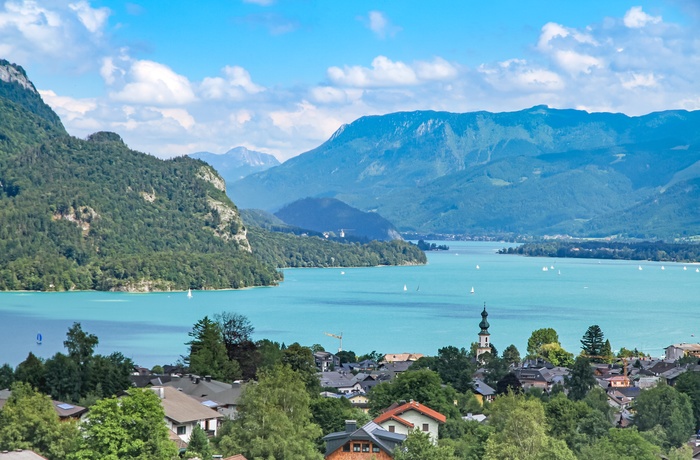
(94, 214)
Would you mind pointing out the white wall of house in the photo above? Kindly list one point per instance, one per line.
(418, 420)
(185, 429)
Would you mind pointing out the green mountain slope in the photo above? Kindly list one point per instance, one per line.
(535, 171)
(333, 216)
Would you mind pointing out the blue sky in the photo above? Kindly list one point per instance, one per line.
(280, 76)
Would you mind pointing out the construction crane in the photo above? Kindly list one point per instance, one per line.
(339, 337)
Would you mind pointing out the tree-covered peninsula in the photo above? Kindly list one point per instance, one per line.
(94, 214)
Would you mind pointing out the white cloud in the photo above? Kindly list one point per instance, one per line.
(68, 108)
(517, 75)
(574, 62)
(637, 80)
(379, 24)
(92, 18)
(635, 18)
(236, 84)
(180, 115)
(149, 82)
(386, 73)
(68, 36)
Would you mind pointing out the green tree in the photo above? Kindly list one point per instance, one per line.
(509, 383)
(520, 432)
(418, 446)
(538, 338)
(330, 414)
(270, 353)
(32, 371)
(621, 444)
(346, 356)
(607, 352)
(198, 447)
(423, 386)
(670, 409)
(29, 421)
(301, 360)
(467, 438)
(555, 354)
(511, 355)
(80, 344)
(274, 421)
(580, 380)
(237, 331)
(574, 422)
(7, 376)
(208, 355)
(63, 378)
(592, 343)
(688, 383)
(130, 427)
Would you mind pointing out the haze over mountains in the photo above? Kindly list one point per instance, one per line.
(237, 162)
(537, 171)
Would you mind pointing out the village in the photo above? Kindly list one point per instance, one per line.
(199, 402)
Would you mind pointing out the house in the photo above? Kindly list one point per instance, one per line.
(395, 368)
(359, 401)
(65, 411)
(326, 361)
(344, 382)
(679, 350)
(371, 442)
(20, 454)
(183, 413)
(408, 416)
(474, 418)
(221, 396)
(392, 358)
(483, 392)
(618, 381)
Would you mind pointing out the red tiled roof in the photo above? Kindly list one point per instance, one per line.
(412, 405)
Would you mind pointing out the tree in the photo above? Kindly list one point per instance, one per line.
(580, 380)
(606, 352)
(555, 354)
(592, 343)
(237, 332)
(129, 427)
(418, 446)
(63, 378)
(80, 345)
(270, 353)
(511, 355)
(302, 361)
(665, 406)
(330, 414)
(520, 432)
(467, 438)
(423, 386)
(32, 371)
(7, 376)
(453, 364)
(198, 447)
(688, 383)
(538, 338)
(29, 421)
(574, 422)
(346, 356)
(208, 355)
(621, 444)
(509, 384)
(274, 421)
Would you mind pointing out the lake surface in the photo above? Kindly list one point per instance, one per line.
(648, 309)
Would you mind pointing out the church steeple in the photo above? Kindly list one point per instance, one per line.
(484, 345)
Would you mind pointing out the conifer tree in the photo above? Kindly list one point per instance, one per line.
(592, 342)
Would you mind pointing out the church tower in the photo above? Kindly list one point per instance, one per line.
(484, 336)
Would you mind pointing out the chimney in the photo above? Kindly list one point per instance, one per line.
(350, 426)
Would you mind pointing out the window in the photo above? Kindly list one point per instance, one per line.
(181, 430)
(355, 447)
(425, 427)
(365, 447)
(375, 449)
(391, 428)
(346, 447)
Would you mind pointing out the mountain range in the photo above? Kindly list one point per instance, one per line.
(537, 171)
(237, 162)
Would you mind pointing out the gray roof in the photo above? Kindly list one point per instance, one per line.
(21, 455)
(182, 408)
(226, 394)
(483, 389)
(382, 438)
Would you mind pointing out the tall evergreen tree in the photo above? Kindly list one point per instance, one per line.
(592, 343)
(208, 355)
(198, 447)
(580, 380)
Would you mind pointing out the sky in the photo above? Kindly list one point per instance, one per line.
(280, 76)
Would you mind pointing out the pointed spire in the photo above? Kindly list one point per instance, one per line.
(484, 324)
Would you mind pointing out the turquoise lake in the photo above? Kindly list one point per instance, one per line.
(649, 308)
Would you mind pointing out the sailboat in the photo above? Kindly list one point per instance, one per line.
(640, 267)
(39, 338)
(405, 288)
(472, 291)
(189, 293)
(663, 268)
(477, 267)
